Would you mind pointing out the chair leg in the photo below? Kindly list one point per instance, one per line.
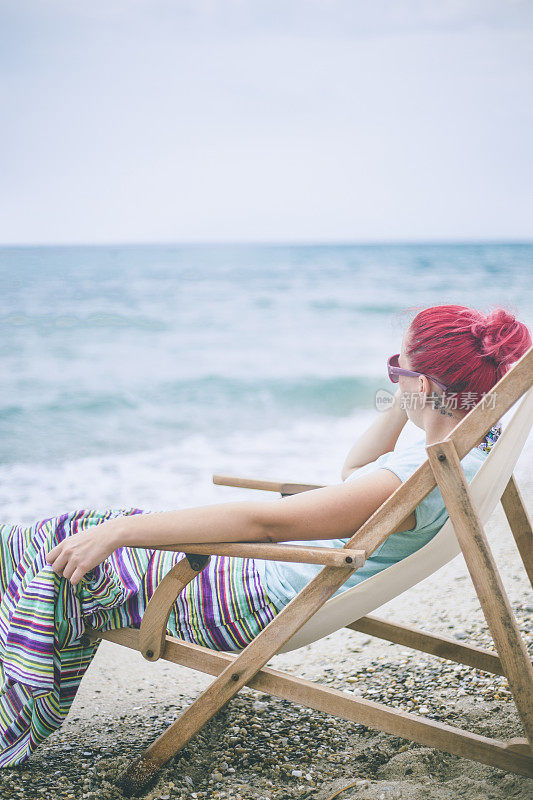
(494, 602)
(236, 675)
(520, 524)
(512, 755)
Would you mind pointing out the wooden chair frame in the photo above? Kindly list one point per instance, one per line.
(247, 668)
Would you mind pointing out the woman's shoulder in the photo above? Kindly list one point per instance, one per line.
(410, 453)
(406, 458)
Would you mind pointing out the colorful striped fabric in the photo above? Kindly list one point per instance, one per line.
(42, 618)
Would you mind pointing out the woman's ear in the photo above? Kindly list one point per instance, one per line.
(423, 388)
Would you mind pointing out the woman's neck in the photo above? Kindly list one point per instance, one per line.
(438, 425)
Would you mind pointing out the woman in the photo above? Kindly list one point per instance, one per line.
(100, 567)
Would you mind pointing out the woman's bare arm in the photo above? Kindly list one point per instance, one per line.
(378, 439)
(330, 512)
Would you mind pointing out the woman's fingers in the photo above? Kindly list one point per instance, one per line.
(63, 559)
(77, 575)
(53, 553)
(60, 561)
(68, 567)
(78, 554)
(69, 570)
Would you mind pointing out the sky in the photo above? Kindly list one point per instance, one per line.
(265, 120)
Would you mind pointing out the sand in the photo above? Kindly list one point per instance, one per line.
(260, 747)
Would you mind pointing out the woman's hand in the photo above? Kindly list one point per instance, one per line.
(78, 554)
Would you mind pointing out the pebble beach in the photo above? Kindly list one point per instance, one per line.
(261, 748)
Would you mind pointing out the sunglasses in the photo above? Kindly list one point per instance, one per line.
(395, 371)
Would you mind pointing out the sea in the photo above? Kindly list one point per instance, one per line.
(130, 375)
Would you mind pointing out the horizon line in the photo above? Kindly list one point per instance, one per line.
(274, 243)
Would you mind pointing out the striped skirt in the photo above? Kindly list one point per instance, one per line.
(43, 656)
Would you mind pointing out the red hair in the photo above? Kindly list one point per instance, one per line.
(465, 349)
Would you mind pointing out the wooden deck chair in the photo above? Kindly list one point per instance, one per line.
(315, 613)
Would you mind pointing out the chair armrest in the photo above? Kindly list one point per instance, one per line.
(284, 488)
(332, 556)
(152, 633)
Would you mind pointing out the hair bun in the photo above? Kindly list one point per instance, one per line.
(500, 336)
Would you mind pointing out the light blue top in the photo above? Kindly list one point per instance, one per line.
(284, 580)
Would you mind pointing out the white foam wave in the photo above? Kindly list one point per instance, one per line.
(180, 475)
